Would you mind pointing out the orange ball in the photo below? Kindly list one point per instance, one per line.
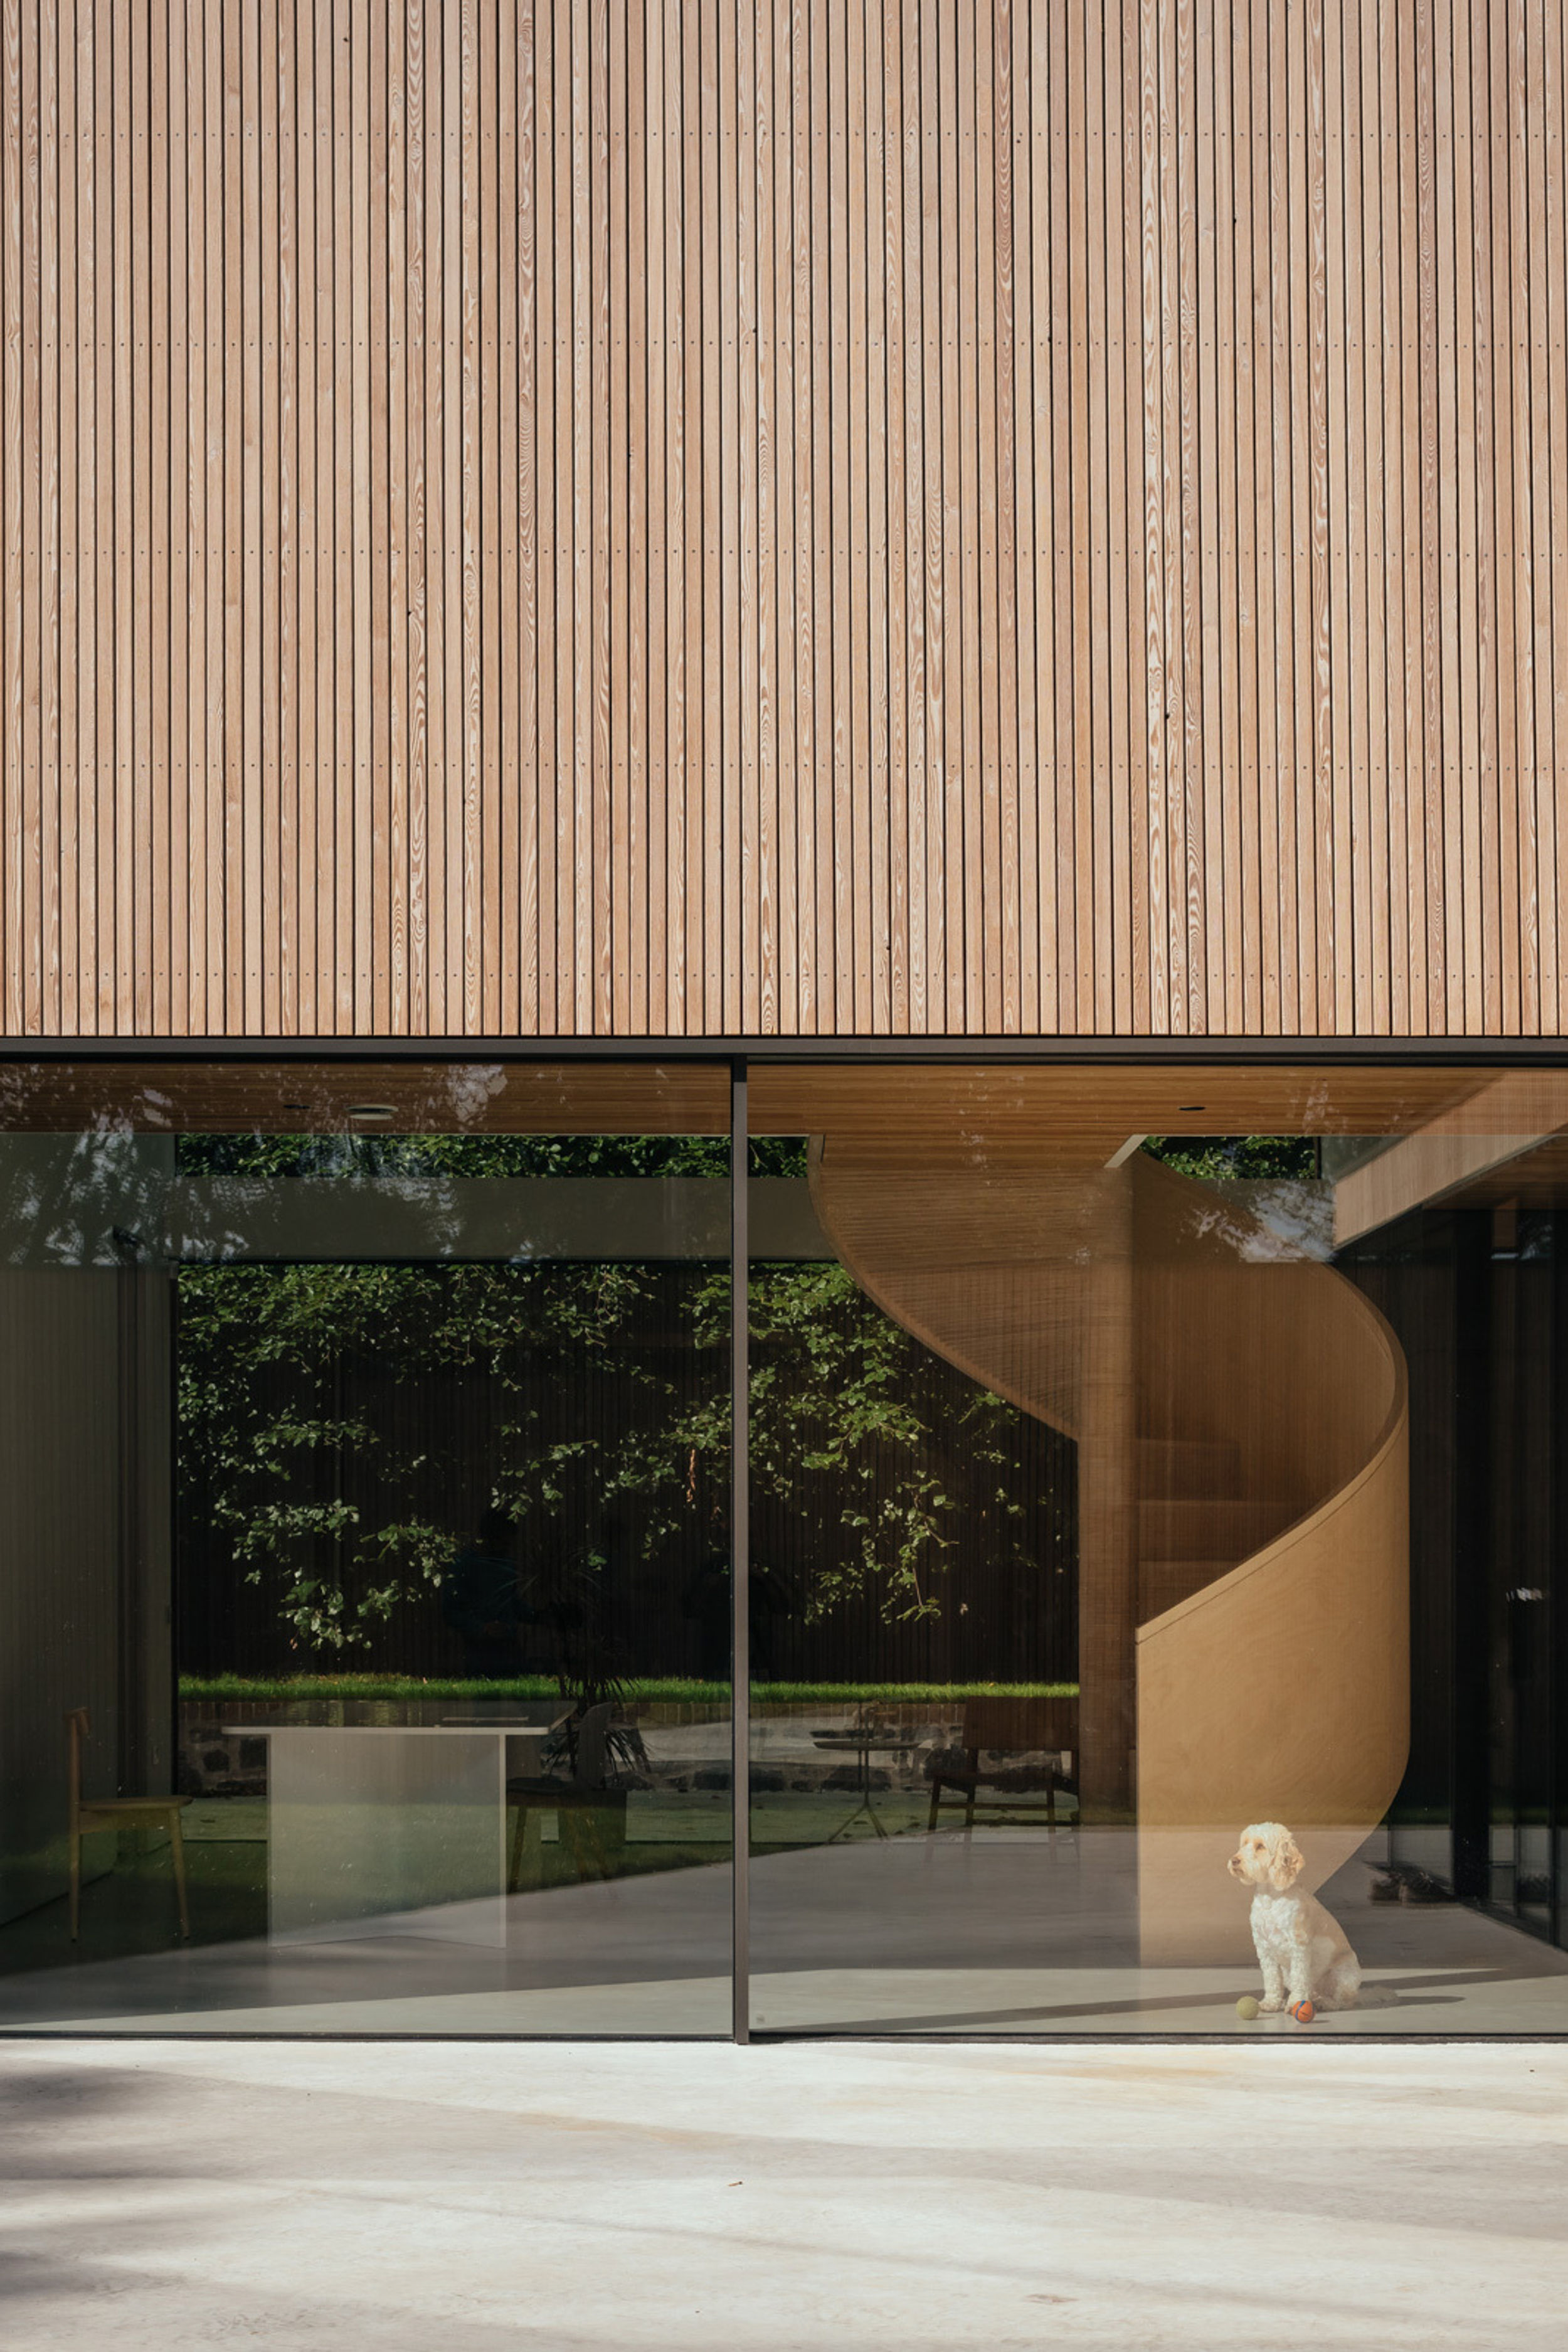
(1303, 2012)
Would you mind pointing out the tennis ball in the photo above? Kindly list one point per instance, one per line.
(1303, 2012)
(1247, 2008)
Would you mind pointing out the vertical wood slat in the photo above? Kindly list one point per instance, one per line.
(562, 515)
(63, 967)
(11, 621)
(1549, 289)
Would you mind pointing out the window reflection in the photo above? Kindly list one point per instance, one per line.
(362, 1468)
(1155, 1510)
(1239, 1803)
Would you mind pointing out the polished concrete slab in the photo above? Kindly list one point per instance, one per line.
(1005, 1933)
(575, 2197)
(977, 2003)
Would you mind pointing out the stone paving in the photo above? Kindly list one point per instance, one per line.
(794, 2197)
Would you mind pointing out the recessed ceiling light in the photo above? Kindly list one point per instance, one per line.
(1189, 1105)
(369, 1110)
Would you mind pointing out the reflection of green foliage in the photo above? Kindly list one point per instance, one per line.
(480, 1155)
(855, 1440)
(265, 1438)
(856, 1448)
(1218, 1156)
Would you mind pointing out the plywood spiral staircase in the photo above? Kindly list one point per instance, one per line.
(1240, 1419)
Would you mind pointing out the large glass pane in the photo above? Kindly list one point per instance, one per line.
(1154, 1526)
(366, 1436)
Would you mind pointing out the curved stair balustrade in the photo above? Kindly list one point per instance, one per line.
(1240, 1417)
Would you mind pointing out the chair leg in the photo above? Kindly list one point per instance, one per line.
(568, 1829)
(177, 1847)
(936, 1800)
(76, 1883)
(610, 1837)
(587, 1834)
(515, 1867)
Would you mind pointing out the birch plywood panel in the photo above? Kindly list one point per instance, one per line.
(664, 517)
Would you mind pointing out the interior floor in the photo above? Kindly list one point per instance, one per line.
(1003, 1931)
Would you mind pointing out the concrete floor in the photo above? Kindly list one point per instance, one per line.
(920, 2197)
(1004, 1933)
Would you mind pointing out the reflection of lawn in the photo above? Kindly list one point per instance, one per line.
(131, 1908)
(662, 1833)
(788, 1817)
(665, 1689)
(660, 1825)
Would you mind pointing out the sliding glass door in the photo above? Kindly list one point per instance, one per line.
(366, 1562)
(1133, 1490)
(1151, 1583)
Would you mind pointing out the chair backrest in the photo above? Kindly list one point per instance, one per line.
(591, 1744)
(1020, 1723)
(77, 1728)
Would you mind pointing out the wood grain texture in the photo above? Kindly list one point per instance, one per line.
(1240, 1420)
(1277, 1690)
(631, 517)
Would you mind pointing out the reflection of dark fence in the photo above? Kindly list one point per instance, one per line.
(1004, 1581)
(1005, 1587)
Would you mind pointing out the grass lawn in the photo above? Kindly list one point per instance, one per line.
(670, 1689)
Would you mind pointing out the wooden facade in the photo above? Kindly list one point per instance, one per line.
(698, 517)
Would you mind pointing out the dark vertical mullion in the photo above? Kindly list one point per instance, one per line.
(1470, 1563)
(1556, 1585)
(740, 1555)
(131, 1727)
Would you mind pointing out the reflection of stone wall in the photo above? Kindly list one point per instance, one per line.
(213, 1763)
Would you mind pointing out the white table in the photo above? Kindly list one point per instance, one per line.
(391, 1828)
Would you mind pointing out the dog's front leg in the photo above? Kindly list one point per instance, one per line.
(1301, 1973)
(1273, 1981)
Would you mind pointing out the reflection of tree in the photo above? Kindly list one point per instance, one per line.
(1218, 1156)
(868, 1462)
(329, 1495)
(606, 1397)
(385, 1155)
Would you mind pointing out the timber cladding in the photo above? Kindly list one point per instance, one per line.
(545, 517)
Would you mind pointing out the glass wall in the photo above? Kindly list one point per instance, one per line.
(1153, 1547)
(367, 1563)
(1154, 1510)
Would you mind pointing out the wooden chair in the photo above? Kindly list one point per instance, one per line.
(580, 1801)
(1001, 1727)
(90, 1813)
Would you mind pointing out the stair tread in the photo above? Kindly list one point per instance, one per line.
(1216, 1506)
(1186, 1469)
(1163, 1583)
(1212, 1563)
(1209, 1530)
(1191, 1445)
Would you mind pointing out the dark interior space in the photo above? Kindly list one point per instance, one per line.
(1476, 1295)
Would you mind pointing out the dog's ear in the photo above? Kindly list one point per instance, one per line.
(1287, 1862)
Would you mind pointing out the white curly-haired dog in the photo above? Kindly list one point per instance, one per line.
(1301, 1949)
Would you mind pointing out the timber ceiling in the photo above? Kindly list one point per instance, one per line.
(1047, 1116)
